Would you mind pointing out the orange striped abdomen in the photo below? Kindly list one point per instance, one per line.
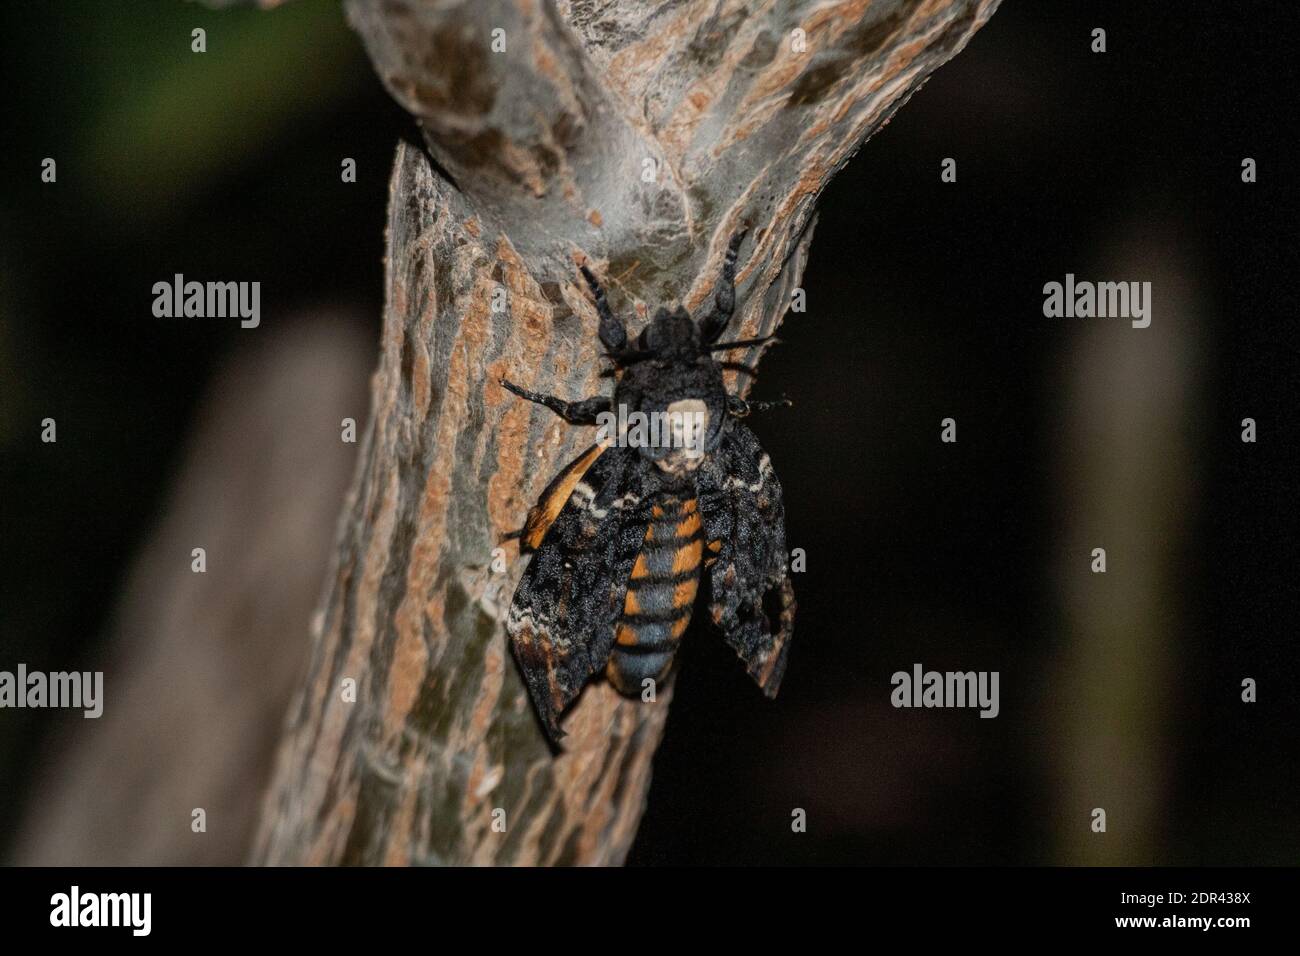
(660, 596)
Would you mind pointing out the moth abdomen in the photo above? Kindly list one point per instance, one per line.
(660, 595)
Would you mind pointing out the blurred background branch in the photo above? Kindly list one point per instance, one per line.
(201, 664)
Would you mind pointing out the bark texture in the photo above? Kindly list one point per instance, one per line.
(636, 137)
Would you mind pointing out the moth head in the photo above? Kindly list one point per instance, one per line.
(670, 335)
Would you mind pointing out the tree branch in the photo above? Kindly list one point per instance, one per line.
(632, 136)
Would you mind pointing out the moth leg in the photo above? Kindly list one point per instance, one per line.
(575, 413)
(740, 408)
(724, 296)
(744, 343)
(612, 333)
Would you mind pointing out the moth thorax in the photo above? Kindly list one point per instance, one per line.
(686, 426)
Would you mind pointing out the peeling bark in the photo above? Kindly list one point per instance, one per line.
(538, 155)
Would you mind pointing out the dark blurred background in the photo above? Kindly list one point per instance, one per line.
(925, 299)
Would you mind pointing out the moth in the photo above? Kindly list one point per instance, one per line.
(627, 535)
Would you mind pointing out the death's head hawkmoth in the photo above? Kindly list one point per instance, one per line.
(676, 496)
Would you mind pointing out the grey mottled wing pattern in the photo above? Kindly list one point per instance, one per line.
(561, 621)
(752, 600)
